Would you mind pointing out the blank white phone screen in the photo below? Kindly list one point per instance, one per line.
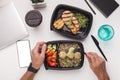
(24, 53)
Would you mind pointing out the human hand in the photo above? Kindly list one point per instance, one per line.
(97, 65)
(38, 55)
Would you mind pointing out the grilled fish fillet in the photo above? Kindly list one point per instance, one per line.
(71, 21)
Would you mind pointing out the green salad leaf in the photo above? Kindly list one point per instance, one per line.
(83, 20)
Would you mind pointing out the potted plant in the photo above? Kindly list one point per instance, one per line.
(38, 3)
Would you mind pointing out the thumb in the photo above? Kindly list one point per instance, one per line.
(88, 57)
(43, 50)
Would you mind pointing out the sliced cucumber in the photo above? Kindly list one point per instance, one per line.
(54, 47)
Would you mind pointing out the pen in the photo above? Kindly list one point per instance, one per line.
(90, 7)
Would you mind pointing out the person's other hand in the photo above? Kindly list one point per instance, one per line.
(38, 54)
(97, 65)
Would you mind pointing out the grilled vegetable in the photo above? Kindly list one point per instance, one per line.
(58, 24)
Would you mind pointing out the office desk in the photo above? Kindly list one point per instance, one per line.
(9, 66)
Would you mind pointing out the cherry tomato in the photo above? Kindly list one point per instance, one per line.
(53, 60)
(54, 55)
(52, 64)
(49, 58)
(50, 53)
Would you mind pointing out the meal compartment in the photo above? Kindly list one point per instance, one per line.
(46, 63)
(82, 33)
(58, 45)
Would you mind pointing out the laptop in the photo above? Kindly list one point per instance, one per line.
(12, 28)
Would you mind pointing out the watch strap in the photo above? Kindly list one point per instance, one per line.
(32, 69)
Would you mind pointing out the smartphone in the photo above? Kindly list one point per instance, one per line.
(24, 53)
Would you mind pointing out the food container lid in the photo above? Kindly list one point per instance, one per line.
(33, 18)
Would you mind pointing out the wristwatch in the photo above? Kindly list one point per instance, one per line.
(32, 69)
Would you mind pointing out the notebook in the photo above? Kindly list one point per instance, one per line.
(105, 6)
(11, 26)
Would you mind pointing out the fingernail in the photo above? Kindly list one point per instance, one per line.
(44, 45)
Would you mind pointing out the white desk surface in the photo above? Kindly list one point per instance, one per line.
(9, 67)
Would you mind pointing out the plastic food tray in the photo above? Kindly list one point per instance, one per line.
(65, 68)
(82, 33)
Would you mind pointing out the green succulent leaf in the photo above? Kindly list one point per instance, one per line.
(37, 1)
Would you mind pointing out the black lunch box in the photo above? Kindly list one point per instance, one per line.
(82, 33)
(65, 68)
